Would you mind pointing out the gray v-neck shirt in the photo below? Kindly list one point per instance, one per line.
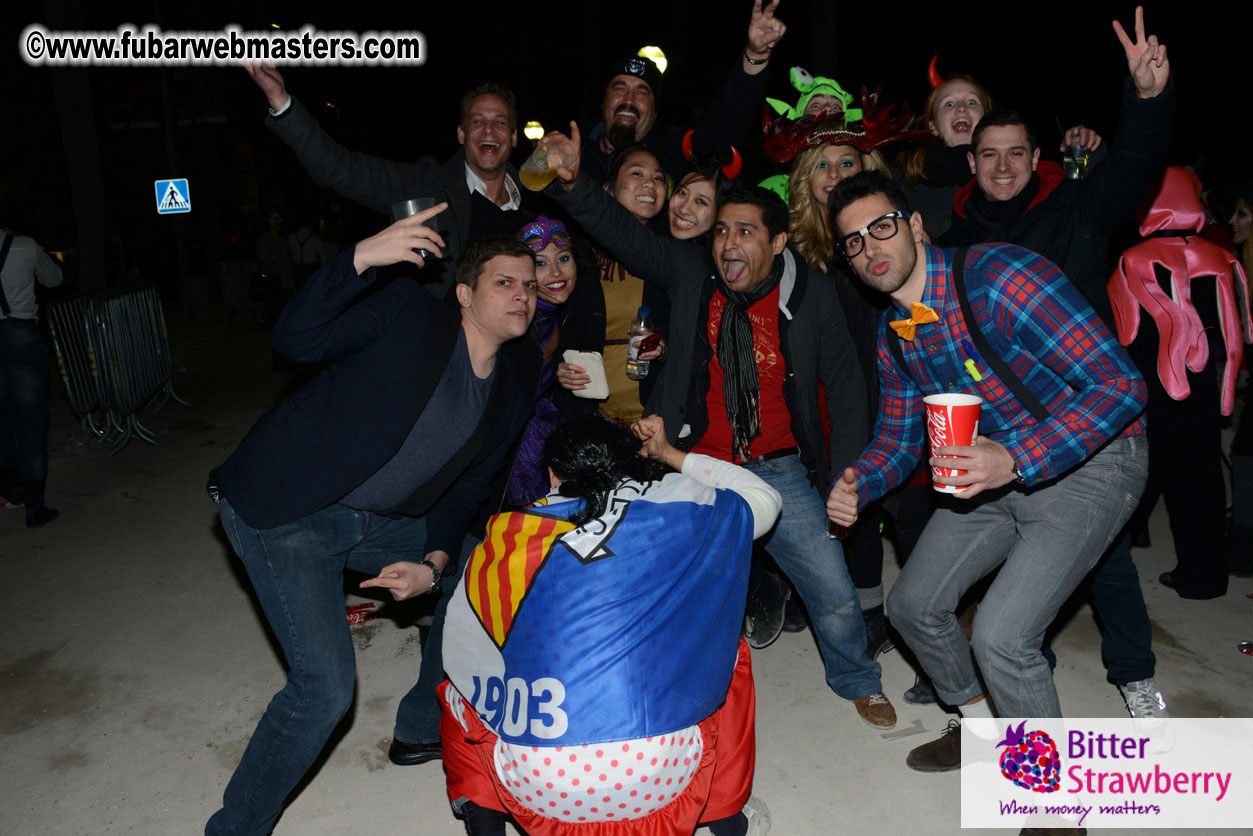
(454, 410)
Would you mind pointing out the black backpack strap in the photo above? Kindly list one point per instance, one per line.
(894, 343)
(990, 356)
(4, 255)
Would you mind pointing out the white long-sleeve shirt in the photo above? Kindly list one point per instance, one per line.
(26, 263)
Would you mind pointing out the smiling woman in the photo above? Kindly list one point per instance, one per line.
(829, 158)
(556, 273)
(638, 184)
(934, 171)
(637, 181)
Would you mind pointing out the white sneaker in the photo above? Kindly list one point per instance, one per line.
(1143, 699)
(758, 815)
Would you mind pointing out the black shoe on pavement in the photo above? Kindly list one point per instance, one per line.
(922, 693)
(877, 639)
(1167, 580)
(40, 516)
(411, 754)
(794, 618)
(942, 755)
(763, 614)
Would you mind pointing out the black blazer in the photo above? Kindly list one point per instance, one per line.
(378, 183)
(387, 353)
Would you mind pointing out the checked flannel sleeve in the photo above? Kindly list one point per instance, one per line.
(899, 430)
(1056, 331)
(1043, 328)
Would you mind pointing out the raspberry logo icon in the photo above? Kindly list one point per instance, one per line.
(1030, 760)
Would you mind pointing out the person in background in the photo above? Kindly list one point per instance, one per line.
(629, 107)
(1018, 198)
(477, 182)
(1170, 293)
(24, 377)
(309, 251)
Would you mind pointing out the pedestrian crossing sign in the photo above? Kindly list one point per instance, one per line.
(173, 197)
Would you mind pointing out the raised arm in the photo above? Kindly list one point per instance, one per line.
(319, 323)
(652, 257)
(47, 271)
(364, 179)
(1113, 193)
(736, 107)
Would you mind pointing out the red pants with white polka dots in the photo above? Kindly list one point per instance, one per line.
(719, 788)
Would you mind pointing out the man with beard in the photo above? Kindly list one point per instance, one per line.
(478, 184)
(633, 89)
(1056, 471)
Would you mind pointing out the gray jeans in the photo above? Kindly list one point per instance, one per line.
(1045, 540)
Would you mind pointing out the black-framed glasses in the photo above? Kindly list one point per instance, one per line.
(880, 229)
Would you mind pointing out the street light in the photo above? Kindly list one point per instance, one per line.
(654, 54)
(533, 131)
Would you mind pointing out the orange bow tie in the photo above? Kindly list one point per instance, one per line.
(919, 314)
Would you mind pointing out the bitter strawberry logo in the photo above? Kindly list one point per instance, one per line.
(1030, 760)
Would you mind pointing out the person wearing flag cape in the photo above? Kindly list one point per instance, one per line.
(596, 674)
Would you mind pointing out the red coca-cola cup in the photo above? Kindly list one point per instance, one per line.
(952, 421)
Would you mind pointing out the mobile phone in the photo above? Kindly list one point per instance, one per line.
(650, 342)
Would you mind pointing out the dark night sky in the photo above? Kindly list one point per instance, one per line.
(1051, 65)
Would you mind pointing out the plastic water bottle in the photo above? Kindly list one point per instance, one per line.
(641, 327)
(1075, 162)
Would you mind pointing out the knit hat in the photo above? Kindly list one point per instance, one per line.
(639, 67)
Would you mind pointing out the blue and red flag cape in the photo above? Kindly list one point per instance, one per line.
(623, 628)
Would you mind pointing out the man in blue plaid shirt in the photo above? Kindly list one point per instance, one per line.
(1041, 499)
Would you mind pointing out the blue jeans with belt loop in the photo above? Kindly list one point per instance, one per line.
(297, 571)
(815, 564)
(23, 411)
(1044, 540)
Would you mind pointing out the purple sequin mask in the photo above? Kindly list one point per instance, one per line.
(542, 231)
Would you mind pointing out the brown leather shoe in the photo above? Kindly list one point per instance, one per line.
(942, 755)
(876, 710)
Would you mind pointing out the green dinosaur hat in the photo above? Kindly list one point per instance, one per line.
(779, 185)
(811, 86)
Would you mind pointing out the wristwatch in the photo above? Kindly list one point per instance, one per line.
(1018, 476)
(434, 587)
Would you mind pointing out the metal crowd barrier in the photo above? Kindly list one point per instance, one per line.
(114, 355)
(236, 280)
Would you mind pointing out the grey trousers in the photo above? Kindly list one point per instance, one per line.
(1045, 540)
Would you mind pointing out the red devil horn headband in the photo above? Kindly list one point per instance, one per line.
(933, 74)
(730, 171)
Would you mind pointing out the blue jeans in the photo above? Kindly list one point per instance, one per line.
(417, 717)
(297, 572)
(815, 565)
(1045, 540)
(23, 411)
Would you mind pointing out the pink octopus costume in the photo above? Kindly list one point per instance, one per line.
(1176, 210)
(1163, 275)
